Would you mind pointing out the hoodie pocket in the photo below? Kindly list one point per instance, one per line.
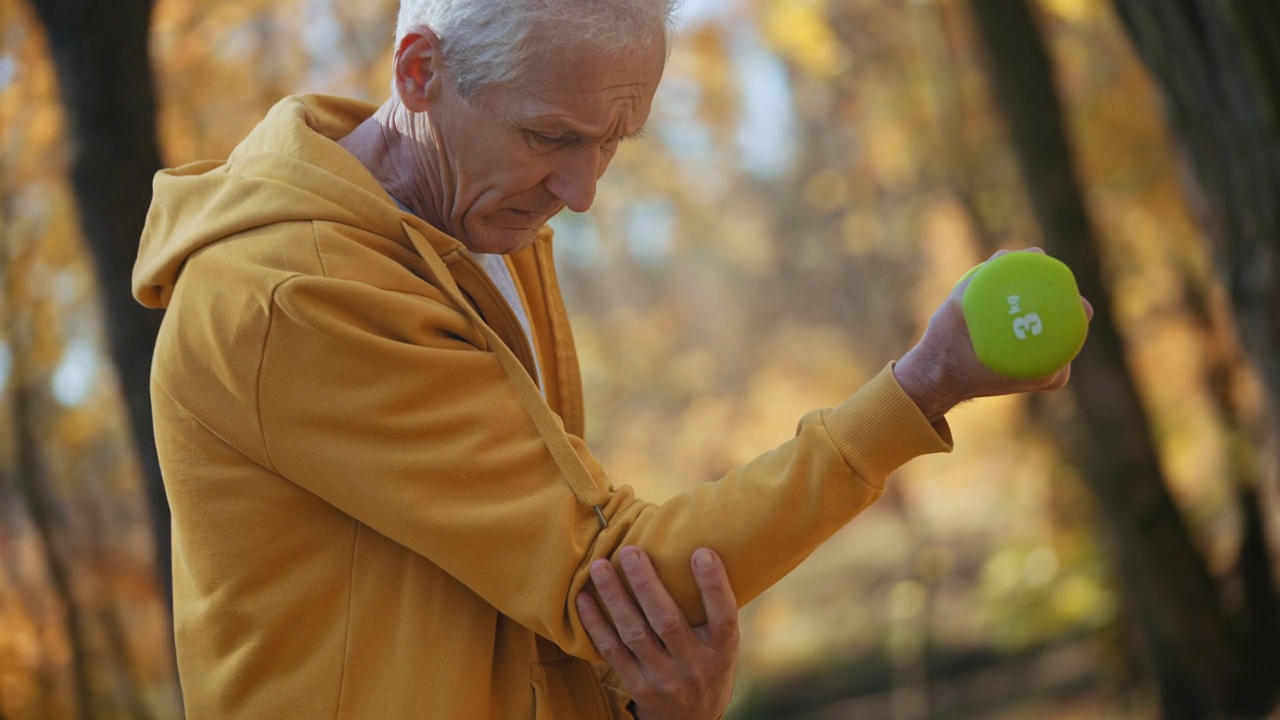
(568, 689)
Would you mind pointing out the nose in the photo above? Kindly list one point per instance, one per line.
(573, 180)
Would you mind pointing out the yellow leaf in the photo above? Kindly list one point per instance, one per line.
(799, 32)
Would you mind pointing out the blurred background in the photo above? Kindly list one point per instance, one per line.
(816, 176)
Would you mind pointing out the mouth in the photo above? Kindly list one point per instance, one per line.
(531, 217)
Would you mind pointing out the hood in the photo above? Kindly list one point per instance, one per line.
(289, 168)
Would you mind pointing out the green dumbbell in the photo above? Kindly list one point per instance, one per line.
(1024, 314)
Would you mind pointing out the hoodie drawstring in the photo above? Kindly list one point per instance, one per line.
(571, 467)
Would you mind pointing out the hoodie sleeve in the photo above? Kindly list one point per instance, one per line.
(386, 406)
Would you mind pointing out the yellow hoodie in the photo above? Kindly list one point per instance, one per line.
(376, 514)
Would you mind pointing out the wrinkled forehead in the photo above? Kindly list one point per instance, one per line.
(589, 68)
(598, 84)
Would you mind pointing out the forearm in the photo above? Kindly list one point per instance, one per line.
(451, 464)
(765, 517)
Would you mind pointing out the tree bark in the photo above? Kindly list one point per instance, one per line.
(31, 482)
(104, 74)
(1203, 666)
(1217, 65)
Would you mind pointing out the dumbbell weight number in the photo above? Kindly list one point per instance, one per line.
(1048, 321)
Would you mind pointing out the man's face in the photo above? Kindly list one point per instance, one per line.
(514, 156)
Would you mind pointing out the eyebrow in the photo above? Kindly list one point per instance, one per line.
(639, 133)
(570, 132)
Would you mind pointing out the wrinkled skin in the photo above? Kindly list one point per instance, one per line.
(672, 671)
(942, 371)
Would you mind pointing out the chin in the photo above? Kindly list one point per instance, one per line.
(500, 241)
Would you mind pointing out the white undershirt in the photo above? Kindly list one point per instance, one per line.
(495, 266)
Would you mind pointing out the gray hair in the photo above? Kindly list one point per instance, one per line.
(488, 42)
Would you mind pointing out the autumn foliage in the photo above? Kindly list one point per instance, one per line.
(815, 177)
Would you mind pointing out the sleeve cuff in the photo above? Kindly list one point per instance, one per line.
(880, 428)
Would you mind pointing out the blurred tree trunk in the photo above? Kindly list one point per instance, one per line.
(31, 483)
(1204, 663)
(99, 48)
(1217, 65)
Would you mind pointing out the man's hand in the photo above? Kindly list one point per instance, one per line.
(672, 671)
(942, 371)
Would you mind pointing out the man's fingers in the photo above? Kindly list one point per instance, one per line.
(632, 627)
(665, 617)
(605, 638)
(1062, 378)
(1006, 251)
(718, 600)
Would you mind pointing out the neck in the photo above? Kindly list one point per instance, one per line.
(398, 149)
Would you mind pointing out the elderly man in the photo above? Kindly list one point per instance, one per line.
(369, 417)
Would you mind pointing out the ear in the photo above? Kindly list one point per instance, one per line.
(417, 69)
